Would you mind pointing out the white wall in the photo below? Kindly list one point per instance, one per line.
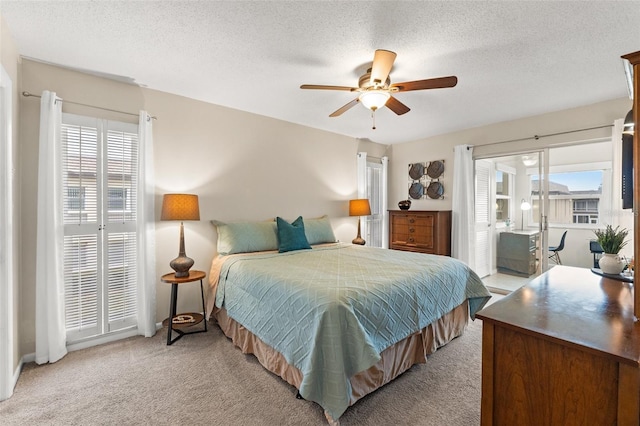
(242, 166)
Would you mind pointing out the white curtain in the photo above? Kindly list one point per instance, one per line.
(362, 186)
(385, 202)
(463, 220)
(146, 229)
(50, 322)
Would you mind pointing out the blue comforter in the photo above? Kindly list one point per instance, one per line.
(331, 310)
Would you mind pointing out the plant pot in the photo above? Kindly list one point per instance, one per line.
(611, 263)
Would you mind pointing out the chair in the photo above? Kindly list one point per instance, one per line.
(554, 251)
(596, 250)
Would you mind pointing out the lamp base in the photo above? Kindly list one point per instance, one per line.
(359, 241)
(181, 265)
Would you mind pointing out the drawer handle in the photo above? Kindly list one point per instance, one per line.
(412, 230)
(411, 239)
(412, 220)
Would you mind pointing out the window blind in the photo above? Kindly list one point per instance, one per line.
(100, 161)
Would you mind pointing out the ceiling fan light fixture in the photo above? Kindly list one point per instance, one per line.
(374, 99)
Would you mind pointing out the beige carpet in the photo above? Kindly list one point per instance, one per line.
(204, 379)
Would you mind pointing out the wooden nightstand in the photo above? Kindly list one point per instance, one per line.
(186, 319)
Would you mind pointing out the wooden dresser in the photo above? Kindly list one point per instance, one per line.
(562, 350)
(420, 231)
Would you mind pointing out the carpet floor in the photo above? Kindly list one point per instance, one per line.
(205, 379)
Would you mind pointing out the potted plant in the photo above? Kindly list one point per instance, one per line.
(612, 241)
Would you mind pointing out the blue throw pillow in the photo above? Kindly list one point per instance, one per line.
(291, 236)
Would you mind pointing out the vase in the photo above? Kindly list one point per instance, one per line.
(611, 263)
(404, 204)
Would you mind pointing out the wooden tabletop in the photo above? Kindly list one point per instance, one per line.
(574, 306)
(193, 276)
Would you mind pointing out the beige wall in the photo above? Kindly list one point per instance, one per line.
(10, 62)
(249, 167)
(243, 167)
(441, 147)
(484, 138)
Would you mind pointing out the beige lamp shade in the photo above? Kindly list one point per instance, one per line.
(180, 207)
(359, 207)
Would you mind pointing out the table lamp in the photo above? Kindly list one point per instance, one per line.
(524, 206)
(180, 207)
(359, 207)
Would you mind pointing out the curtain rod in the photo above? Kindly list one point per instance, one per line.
(27, 94)
(536, 137)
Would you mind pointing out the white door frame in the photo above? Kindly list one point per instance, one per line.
(7, 381)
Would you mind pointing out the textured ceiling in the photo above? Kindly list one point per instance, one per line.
(512, 59)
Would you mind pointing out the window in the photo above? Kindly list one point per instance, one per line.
(576, 194)
(100, 248)
(372, 184)
(504, 192)
(117, 199)
(75, 197)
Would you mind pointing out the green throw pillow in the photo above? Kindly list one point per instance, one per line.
(291, 236)
(246, 237)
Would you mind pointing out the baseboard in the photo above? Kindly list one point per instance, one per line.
(27, 358)
(23, 360)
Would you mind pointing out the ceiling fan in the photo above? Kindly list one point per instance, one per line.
(375, 87)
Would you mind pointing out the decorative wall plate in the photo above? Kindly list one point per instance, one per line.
(425, 180)
(416, 171)
(435, 190)
(416, 191)
(435, 169)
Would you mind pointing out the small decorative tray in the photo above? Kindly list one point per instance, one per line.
(619, 277)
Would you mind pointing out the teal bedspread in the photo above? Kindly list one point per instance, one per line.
(331, 310)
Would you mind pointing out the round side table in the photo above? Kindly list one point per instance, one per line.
(177, 321)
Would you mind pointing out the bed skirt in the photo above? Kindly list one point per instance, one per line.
(394, 360)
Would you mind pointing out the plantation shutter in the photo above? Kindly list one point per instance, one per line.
(121, 193)
(100, 253)
(483, 217)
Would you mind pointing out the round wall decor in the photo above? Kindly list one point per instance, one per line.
(435, 169)
(416, 171)
(416, 190)
(435, 190)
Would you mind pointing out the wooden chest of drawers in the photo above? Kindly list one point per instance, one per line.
(420, 231)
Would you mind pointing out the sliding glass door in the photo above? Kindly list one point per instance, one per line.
(509, 200)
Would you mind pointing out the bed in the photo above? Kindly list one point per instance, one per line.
(335, 320)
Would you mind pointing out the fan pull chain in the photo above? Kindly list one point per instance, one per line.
(373, 118)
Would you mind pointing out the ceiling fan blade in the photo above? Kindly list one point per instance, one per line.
(321, 87)
(381, 67)
(344, 108)
(396, 106)
(431, 83)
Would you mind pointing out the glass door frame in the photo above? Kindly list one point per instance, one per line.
(542, 253)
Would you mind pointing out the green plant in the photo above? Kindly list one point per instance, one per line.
(611, 240)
